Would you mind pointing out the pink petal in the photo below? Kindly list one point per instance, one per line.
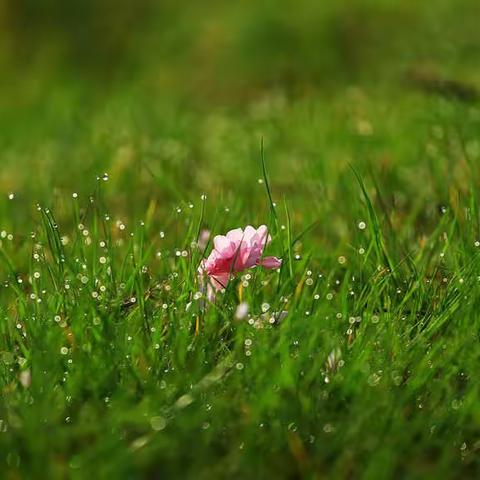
(210, 262)
(271, 262)
(249, 257)
(249, 234)
(210, 293)
(203, 239)
(235, 235)
(262, 233)
(223, 245)
(220, 280)
(241, 311)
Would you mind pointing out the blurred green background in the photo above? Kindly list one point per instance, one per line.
(171, 99)
(229, 51)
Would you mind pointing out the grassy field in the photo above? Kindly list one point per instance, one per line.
(129, 130)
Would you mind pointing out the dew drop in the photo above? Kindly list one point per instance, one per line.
(292, 427)
(158, 423)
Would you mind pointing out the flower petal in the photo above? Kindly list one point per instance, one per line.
(235, 235)
(271, 262)
(248, 234)
(223, 245)
(263, 235)
(248, 258)
(220, 281)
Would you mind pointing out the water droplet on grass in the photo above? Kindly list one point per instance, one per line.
(184, 401)
(374, 379)
(158, 423)
(292, 427)
(328, 428)
(456, 404)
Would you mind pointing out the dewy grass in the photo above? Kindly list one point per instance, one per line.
(356, 359)
(113, 363)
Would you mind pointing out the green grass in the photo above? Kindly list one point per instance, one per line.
(372, 371)
(112, 365)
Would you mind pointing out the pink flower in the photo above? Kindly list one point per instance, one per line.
(203, 239)
(236, 251)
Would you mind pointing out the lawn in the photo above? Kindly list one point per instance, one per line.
(132, 134)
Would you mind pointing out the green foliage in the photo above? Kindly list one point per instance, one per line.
(350, 128)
